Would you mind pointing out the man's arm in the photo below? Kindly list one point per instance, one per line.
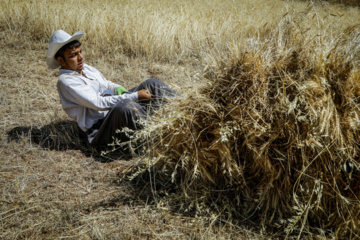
(74, 92)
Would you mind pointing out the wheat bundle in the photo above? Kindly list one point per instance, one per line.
(272, 136)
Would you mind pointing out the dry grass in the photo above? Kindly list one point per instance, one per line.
(353, 3)
(53, 187)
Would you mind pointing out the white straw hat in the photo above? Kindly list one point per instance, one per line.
(57, 41)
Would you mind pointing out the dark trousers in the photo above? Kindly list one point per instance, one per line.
(127, 113)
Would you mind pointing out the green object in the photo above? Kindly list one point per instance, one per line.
(120, 90)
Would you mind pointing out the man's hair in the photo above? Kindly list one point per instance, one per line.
(71, 45)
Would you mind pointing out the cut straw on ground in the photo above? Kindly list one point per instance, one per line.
(262, 144)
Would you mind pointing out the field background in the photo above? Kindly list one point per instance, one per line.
(51, 185)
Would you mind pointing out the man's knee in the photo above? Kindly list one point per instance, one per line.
(124, 107)
(152, 82)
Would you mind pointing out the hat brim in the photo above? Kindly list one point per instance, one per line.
(54, 47)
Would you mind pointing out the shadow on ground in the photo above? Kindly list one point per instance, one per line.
(61, 136)
(58, 136)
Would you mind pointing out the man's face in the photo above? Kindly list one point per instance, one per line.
(73, 59)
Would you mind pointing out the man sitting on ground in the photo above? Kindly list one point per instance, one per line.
(100, 107)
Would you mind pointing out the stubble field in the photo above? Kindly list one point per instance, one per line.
(52, 185)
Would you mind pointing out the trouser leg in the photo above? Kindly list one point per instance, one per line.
(125, 113)
(157, 88)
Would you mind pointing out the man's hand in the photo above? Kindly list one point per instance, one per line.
(144, 94)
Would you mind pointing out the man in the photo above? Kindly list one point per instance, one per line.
(100, 107)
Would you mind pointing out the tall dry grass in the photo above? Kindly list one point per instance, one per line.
(58, 191)
(154, 29)
(158, 30)
(353, 3)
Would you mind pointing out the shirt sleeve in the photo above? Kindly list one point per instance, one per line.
(79, 93)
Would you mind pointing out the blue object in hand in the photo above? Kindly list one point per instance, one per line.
(107, 93)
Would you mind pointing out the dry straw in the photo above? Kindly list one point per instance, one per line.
(272, 137)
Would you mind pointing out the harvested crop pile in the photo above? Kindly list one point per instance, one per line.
(272, 137)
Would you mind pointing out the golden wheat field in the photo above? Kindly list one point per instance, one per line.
(263, 143)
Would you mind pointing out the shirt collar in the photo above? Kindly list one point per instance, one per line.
(64, 71)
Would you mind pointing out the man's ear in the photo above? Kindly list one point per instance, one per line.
(61, 61)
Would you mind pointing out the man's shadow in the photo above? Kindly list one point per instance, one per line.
(61, 136)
